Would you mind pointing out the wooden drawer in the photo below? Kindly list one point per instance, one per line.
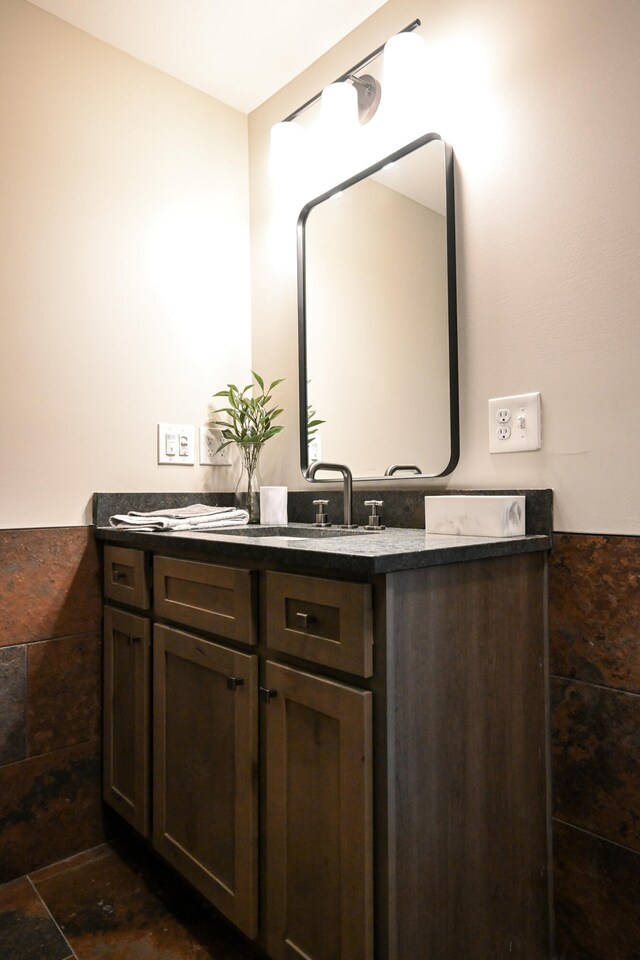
(217, 599)
(323, 621)
(126, 576)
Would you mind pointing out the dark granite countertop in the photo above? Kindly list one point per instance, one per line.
(361, 553)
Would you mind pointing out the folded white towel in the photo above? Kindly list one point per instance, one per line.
(197, 516)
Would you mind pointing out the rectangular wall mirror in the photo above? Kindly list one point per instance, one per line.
(377, 318)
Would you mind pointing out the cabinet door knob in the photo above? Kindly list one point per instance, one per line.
(305, 620)
(116, 574)
(267, 694)
(131, 639)
(234, 682)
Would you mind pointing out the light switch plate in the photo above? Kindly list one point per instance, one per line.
(176, 443)
(515, 423)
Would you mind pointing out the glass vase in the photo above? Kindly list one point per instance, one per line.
(247, 495)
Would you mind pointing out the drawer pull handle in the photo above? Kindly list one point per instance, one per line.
(305, 620)
(131, 639)
(234, 682)
(267, 694)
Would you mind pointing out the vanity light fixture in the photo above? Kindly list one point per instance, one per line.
(349, 92)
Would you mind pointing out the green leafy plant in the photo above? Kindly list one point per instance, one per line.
(249, 424)
(250, 418)
(312, 424)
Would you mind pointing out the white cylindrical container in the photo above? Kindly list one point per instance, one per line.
(273, 505)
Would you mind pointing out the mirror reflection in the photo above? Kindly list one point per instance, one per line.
(378, 364)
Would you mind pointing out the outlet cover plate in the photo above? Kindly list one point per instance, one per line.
(515, 423)
(210, 440)
(176, 443)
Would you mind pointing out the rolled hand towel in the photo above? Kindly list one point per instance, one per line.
(197, 516)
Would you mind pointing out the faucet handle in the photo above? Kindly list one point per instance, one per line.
(321, 516)
(374, 517)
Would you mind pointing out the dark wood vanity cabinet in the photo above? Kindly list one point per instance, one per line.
(351, 770)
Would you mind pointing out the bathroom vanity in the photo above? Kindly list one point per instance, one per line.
(340, 741)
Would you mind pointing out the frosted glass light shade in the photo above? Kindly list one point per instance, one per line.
(340, 106)
(404, 91)
(403, 55)
(286, 146)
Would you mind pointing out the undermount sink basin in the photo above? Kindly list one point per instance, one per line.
(299, 532)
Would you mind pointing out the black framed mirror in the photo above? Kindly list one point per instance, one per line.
(377, 318)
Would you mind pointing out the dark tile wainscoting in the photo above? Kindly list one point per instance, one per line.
(50, 689)
(595, 698)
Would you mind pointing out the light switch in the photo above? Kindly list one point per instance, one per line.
(176, 443)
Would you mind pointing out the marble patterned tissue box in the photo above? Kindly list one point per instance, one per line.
(490, 516)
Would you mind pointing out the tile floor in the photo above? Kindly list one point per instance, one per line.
(115, 902)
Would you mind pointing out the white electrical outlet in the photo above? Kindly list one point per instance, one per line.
(210, 440)
(515, 424)
(176, 443)
(314, 449)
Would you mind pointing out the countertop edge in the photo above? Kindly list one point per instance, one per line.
(336, 557)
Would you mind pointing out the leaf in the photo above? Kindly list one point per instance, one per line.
(249, 419)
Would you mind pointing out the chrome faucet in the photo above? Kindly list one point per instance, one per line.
(347, 486)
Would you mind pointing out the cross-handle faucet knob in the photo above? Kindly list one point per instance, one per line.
(322, 519)
(374, 517)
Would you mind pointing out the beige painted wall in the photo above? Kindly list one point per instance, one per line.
(123, 252)
(539, 101)
(124, 268)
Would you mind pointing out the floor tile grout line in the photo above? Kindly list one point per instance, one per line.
(72, 955)
(68, 863)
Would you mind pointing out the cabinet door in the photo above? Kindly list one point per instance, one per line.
(318, 818)
(127, 644)
(205, 769)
